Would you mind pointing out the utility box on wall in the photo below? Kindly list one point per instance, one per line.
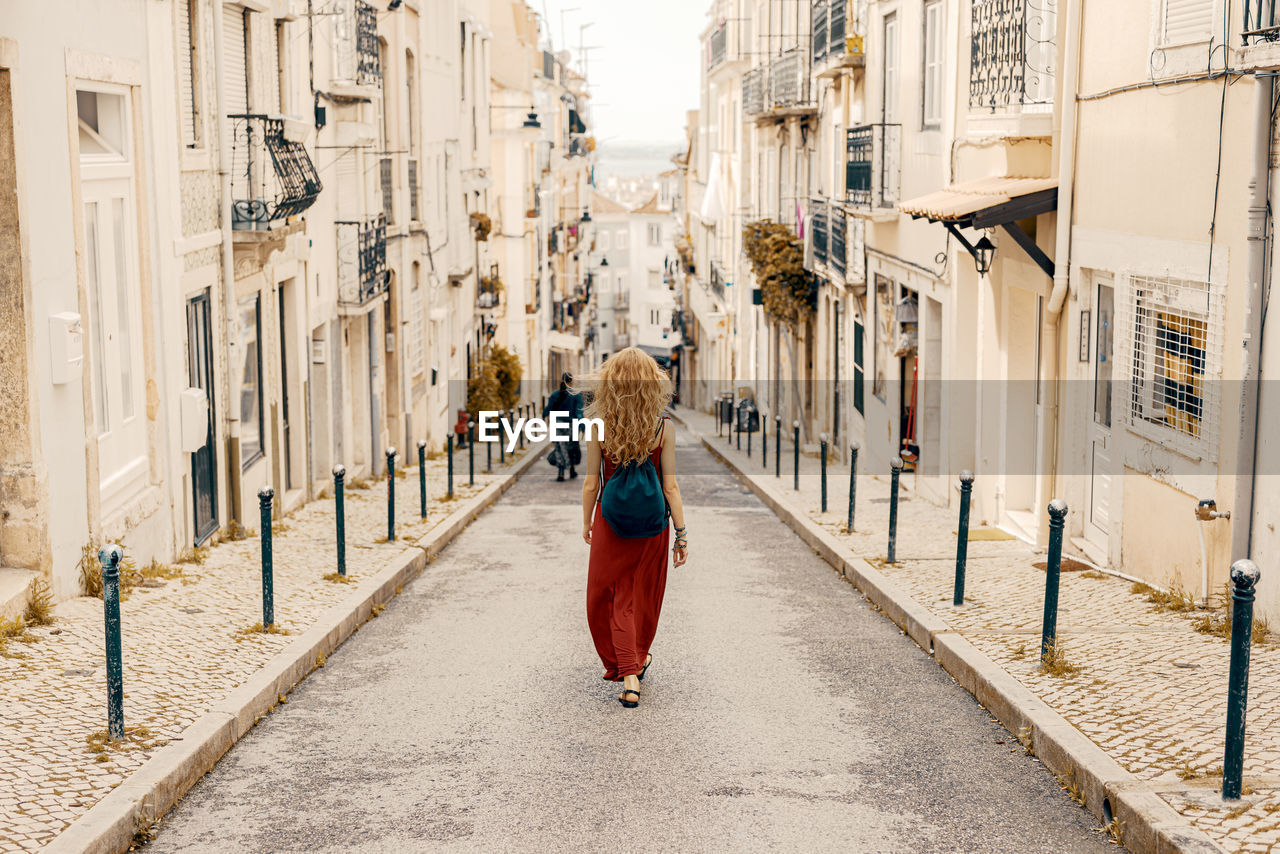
(66, 346)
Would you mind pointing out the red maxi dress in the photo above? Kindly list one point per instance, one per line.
(626, 578)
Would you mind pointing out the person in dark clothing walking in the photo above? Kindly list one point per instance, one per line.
(566, 454)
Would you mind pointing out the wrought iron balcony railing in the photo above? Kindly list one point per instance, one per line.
(362, 260)
(873, 166)
(819, 224)
(368, 60)
(753, 90)
(386, 173)
(414, 213)
(1013, 54)
(272, 177)
(837, 257)
(718, 45)
(789, 80)
(622, 301)
(1261, 21)
(717, 280)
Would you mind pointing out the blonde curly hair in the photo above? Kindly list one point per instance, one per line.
(628, 393)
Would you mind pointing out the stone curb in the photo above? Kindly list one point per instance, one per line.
(151, 791)
(1150, 825)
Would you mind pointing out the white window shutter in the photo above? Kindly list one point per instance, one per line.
(235, 65)
(187, 80)
(1187, 21)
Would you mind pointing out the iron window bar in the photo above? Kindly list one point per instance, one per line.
(1261, 23)
(789, 79)
(819, 224)
(718, 45)
(368, 62)
(272, 177)
(873, 166)
(838, 254)
(1013, 55)
(362, 260)
(754, 84)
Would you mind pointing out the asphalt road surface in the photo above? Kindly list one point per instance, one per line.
(781, 713)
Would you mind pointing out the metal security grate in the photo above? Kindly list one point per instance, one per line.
(1174, 330)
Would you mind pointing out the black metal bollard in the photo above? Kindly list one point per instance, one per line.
(340, 516)
(853, 483)
(391, 495)
(895, 473)
(488, 457)
(795, 429)
(1052, 574)
(824, 472)
(737, 423)
(748, 437)
(502, 441)
(764, 442)
(1244, 576)
(449, 448)
(265, 496)
(110, 558)
(777, 446)
(422, 477)
(962, 536)
(471, 453)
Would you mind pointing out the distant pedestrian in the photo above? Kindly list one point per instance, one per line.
(566, 454)
(638, 503)
(461, 429)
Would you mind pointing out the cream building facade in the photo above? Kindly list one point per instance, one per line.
(244, 242)
(1006, 276)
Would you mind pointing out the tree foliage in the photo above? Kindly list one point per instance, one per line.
(495, 381)
(777, 259)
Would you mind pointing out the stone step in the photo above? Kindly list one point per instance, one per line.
(13, 590)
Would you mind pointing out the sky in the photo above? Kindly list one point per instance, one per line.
(644, 73)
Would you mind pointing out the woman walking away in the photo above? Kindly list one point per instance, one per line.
(626, 521)
(566, 454)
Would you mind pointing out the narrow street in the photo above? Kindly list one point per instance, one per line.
(781, 713)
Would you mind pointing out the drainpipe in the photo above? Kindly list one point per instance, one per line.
(228, 278)
(1065, 142)
(1255, 270)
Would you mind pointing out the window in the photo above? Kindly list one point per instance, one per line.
(188, 71)
(235, 66)
(655, 278)
(602, 241)
(250, 382)
(890, 92)
(858, 376)
(418, 342)
(282, 67)
(655, 234)
(655, 317)
(931, 94)
(621, 241)
(884, 335)
(1186, 21)
(112, 288)
(1176, 340)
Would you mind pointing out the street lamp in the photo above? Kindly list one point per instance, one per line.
(983, 251)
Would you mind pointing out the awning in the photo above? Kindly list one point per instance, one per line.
(986, 202)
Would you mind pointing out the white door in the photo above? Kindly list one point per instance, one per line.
(112, 294)
(1100, 429)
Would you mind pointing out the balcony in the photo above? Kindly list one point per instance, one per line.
(1014, 57)
(820, 228)
(717, 45)
(356, 58)
(415, 214)
(386, 172)
(362, 260)
(836, 43)
(789, 89)
(873, 167)
(754, 83)
(717, 280)
(837, 258)
(622, 301)
(1261, 35)
(272, 176)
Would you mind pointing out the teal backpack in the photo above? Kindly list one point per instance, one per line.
(632, 501)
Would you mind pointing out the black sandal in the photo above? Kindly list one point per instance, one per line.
(641, 674)
(629, 704)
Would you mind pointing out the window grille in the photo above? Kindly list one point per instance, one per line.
(1174, 331)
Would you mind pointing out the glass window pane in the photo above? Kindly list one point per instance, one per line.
(250, 384)
(124, 322)
(98, 355)
(1103, 348)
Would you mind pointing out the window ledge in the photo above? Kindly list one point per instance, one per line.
(1012, 124)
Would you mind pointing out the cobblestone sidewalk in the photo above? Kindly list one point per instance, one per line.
(187, 644)
(1151, 690)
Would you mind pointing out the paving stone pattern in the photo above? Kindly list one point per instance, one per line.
(1152, 692)
(184, 646)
